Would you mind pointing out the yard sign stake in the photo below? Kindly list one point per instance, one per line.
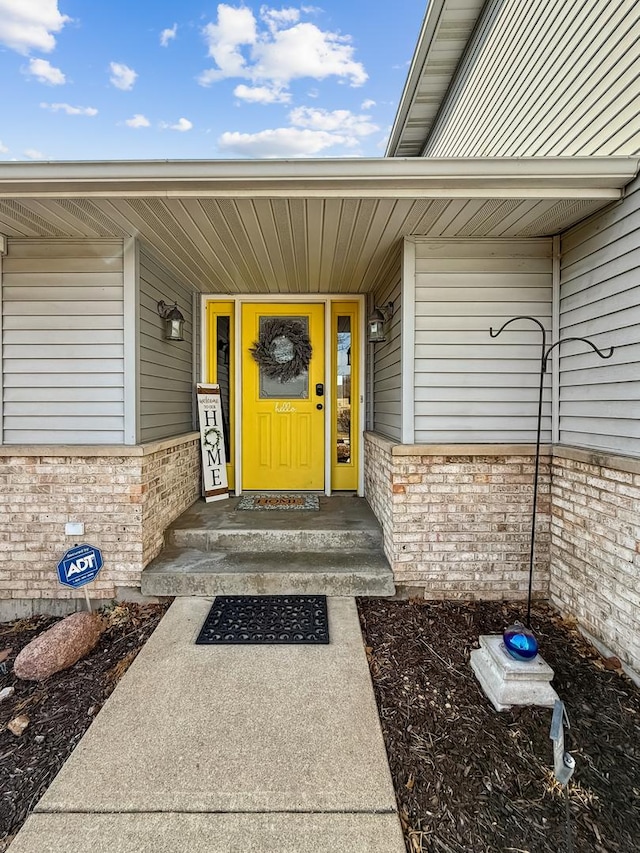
(544, 358)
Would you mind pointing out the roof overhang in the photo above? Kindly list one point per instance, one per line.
(457, 177)
(444, 36)
(303, 225)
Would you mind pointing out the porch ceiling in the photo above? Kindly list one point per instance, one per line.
(301, 226)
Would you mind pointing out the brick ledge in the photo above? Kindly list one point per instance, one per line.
(97, 449)
(392, 446)
(600, 458)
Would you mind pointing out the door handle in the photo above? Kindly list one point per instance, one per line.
(319, 389)
(319, 406)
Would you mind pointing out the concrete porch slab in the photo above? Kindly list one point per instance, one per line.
(216, 549)
(342, 573)
(338, 512)
(234, 728)
(213, 833)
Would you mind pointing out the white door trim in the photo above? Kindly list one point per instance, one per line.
(289, 298)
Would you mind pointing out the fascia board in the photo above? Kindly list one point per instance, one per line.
(532, 177)
(426, 38)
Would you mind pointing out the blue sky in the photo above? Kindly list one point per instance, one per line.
(118, 80)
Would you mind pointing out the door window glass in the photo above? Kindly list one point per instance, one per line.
(223, 363)
(343, 391)
(282, 352)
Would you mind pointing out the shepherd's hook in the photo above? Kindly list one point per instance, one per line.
(544, 358)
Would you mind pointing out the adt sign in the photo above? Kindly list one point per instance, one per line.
(79, 566)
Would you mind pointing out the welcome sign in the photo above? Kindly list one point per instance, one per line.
(214, 456)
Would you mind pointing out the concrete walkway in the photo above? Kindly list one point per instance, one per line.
(276, 749)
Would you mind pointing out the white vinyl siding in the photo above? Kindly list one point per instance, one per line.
(546, 78)
(387, 369)
(62, 342)
(470, 388)
(600, 299)
(166, 371)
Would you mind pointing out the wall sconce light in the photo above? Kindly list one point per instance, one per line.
(376, 323)
(173, 321)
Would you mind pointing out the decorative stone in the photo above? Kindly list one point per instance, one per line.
(520, 642)
(18, 724)
(507, 681)
(6, 693)
(59, 647)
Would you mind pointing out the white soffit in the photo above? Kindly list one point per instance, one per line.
(301, 226)
(443, 39)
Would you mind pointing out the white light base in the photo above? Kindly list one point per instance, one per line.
(507, 681)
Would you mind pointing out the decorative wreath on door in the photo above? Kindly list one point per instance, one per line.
(283, 349)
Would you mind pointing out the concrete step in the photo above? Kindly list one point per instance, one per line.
(190, 571)
(275, 539)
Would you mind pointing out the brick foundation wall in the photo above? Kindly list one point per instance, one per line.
(126, 497)
(378, 478)
(171, 482)
(595, 547)
(458, 518)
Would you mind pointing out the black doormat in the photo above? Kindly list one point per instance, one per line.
(274, 502)
(266, 619)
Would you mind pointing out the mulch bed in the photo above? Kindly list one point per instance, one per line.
(471, 780)
(61, 708)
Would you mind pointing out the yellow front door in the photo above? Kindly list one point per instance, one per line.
(283, 421)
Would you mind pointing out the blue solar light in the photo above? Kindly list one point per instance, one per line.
(520, 642)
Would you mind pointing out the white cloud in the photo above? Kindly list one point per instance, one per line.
(312, 131)
(182, 125)
(262, 94)
(3, 148)
(280, 142)
(138, 120)
(235, 27)
(366, 105)
(168, 34)
(69, 110)
(306, 51)
(27, 25)
(34, 154)
(282, 50)
(341, 121)
(44, 72)
(122, 77)
(278, 18)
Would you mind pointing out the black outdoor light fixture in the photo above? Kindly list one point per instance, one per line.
(173, 321)
(376, 323)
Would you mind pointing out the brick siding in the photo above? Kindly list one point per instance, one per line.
(457, 519)
(595, 547)
(126, 496)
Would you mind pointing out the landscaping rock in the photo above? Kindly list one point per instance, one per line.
(18, 724)
(59, 647)
(6, 693)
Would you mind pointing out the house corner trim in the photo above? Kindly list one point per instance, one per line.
(408, 331)
(131, 311)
